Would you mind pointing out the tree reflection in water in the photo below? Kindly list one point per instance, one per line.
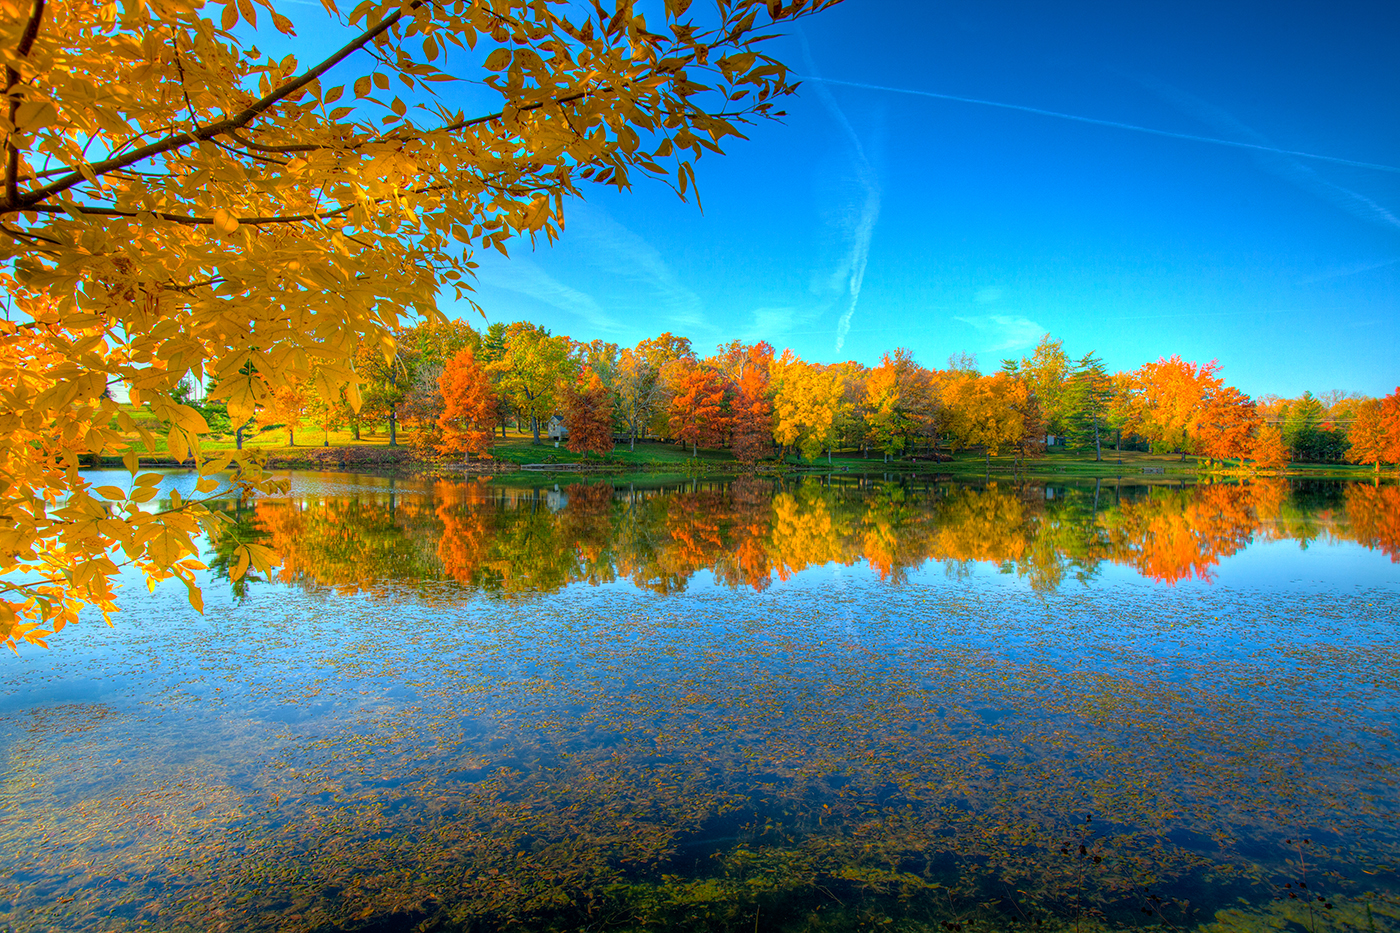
(892, 751)
(749, 531)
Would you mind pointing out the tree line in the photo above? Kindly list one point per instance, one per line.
(454, 387)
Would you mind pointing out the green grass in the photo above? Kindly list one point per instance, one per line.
(651, 457)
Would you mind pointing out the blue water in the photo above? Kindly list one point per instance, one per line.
(924, 750)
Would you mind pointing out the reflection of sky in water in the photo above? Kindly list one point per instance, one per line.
(301, 482)
(833, 752)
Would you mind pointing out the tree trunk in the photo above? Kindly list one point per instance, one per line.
(393, 428)
(326, 439)
(1098, 450)
(535, 427)
(694, 449)
(291, 437)
(238, 437)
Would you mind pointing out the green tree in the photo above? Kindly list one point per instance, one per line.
(533, 366)
(1088, 402)
(1302, 417)
(1047, 373)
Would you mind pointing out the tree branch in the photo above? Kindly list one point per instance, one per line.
(449, 128)
(29, 199)
(186, 218)
(12, 79)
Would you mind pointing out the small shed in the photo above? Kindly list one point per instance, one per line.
(556, 428)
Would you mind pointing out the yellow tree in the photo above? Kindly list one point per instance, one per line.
(988, 412)
(888, 396)
(174, 203)
(807, 400)
(286, 406)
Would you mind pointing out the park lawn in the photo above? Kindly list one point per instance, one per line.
(518, 447)
(522, 449)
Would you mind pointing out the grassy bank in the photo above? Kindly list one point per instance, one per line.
(371, 451)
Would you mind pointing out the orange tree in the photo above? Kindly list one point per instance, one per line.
(696, 411)
(588, 414)
(1375, 431)
(468, 419)
(175, 203)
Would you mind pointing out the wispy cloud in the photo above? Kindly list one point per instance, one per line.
(639, 288)
(769, 322)
(1281, 162)
(848, 276)
(1006, 331)
(524, 277)
(654, 288)
(1233, 143)
(1342, 272)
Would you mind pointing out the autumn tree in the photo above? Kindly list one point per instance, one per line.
(746, 366)
(467, 423)
(1375, 431)
(1165, 402)
(695, 413)
(658, 363)
(1226, 428)
(806, 402)
(638, 393)
(889, 390)
(988, 412)
(1048, 374)
(174, 202)
(386, 373)
(1267, 449)
(285, 407)
(588, 414)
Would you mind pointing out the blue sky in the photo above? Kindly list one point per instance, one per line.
(874, 217)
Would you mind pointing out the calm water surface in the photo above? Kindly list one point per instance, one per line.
(731, 706)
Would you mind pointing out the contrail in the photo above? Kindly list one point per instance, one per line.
(869, 212)
(1113, 123)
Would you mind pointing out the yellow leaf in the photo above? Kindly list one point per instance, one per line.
(224, 222)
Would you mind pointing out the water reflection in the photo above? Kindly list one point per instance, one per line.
(750, 532)
(938, 755)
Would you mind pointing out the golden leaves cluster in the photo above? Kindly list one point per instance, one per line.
(180, 205)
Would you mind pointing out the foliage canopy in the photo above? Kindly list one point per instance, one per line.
(176, 203)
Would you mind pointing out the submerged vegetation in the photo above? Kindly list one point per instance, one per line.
(379, 741)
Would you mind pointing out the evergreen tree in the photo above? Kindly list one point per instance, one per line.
(1087, 403)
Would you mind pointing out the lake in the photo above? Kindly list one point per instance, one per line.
(839, 703)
